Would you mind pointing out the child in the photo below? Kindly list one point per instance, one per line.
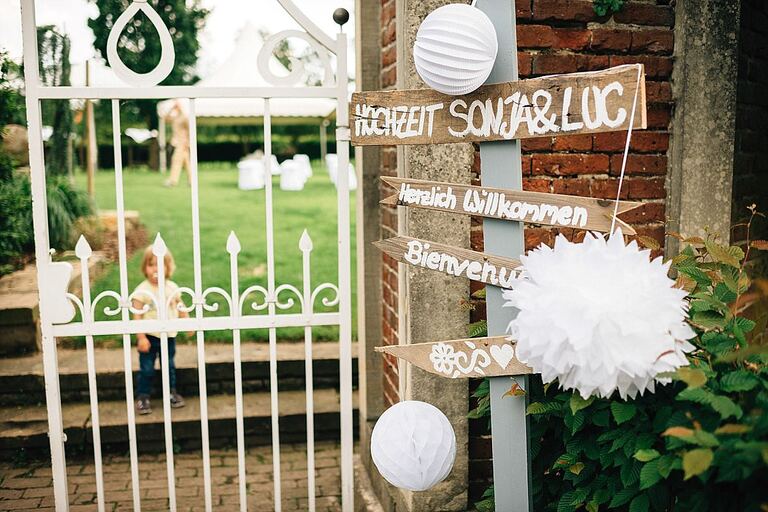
(149, 344)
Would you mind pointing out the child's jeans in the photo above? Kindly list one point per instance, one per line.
(147, 365)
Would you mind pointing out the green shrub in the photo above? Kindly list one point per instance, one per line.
(15, 222)
(66, 204)
(699, 443)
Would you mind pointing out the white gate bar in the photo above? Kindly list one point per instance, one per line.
(345, 309)
(273, 390)
(212, 323)
(125, 306)
(182, 91)
(83, 252)
(159, 249)
(305, 244)
(40, 222)
(198, 278)
(233, 248)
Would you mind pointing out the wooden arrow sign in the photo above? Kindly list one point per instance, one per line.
(495, 203)
(453, 261)
(462, 359)
(591, 102)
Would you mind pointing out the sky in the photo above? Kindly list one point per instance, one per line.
(217, 39)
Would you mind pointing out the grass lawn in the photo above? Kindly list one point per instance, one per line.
(224, 208)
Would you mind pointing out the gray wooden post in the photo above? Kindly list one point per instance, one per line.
(501, 167)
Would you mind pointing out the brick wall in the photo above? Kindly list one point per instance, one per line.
(750, 169)
(559, 36)
(389, 214)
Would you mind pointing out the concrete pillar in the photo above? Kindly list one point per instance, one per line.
(699, 184)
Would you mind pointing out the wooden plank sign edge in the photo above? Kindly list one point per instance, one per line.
(575, 103)
(462, 359)
(514, 205)
(454, 261)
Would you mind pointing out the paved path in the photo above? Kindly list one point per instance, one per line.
(29, 487)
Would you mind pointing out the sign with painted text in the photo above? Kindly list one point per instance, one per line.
(591, 102)
(462, 359)
(453, 261)
(516, 205)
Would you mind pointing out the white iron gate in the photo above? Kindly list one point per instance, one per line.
(267, 307)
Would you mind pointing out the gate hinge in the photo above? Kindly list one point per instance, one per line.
(343, 134)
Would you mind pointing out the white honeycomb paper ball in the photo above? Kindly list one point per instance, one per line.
(455, 49)
(599, 316)
(413, 445)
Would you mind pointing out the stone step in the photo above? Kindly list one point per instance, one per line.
(22, 380)
(24, 429)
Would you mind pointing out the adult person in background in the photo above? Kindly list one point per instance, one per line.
(177, 117)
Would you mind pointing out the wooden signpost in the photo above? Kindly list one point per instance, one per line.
(508, 110)
(518, 205)
(592, 102)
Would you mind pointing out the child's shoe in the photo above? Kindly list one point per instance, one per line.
(176, 399)
(143, 406)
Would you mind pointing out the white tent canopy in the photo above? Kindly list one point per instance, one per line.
(240, 69)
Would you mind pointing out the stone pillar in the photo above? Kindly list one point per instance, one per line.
(699, 182)
(367, 159)
(433, 300)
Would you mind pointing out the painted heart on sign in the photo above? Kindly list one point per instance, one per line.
(502, 354)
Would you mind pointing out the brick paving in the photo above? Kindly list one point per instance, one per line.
(30, 487)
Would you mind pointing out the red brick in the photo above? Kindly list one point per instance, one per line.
(387, 13)
(606, 189)
(537, 144)
(572, 38)
(611, 39)
(653, 41)
(476, 239)
(659, 117)
(523, 8)
(526, 164)
(569, 10)
(537, 184)
(610, 141)
(570, 164)
(524, 64)
(639, 13)
(573, 186)
(658, 92)
(388, 33)
(649, 142)
(535, 36)
(555, 63)
(573, 143)
(645, 188)
(389, 77)
(640, 164)
(655, 66)
(537, 236)
(648, 212)
(389, 56)
(655, 231)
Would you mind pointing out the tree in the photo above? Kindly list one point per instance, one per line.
(53, 49)
(139, 45)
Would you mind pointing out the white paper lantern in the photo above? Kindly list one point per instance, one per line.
(413, 445)
(455, 49)
(598, 316)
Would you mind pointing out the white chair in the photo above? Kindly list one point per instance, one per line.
(304, 164)
(351, 180)
(250, 174)
(331, 162)
(291, 178)
(274, 167)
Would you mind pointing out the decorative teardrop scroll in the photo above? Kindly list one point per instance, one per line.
(255, 305)
(146, 307)
(180, 305)
(78, 304)
(289, 302)
(167, 52)
(327, 301)
(297, 67)
(214, 306)
(108, 311)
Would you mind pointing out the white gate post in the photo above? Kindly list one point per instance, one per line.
(42, 257)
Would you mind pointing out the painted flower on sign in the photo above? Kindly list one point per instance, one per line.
(443, 358)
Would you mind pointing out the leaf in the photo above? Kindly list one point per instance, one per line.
(478, 329)
(727, 407)
(646, 455)
(722, 404)
(708, 320)
(760, 245)
(515, 390)
(697, 461)
(577, 403)
(721, 253)
(696, 274)
(564, 461)
(622, 411)
(544, 407)
(666, 464)
(740, 380)
(576, 468)
(649, 242)
(649, 475)
(678, 432)
(622, 497)
(724, 293)
(640, 504)
(694, 377)
(745, 324)
(704, 438)
(733, 428)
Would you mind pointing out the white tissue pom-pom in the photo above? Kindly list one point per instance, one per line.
(598, 316)
(413, 445)
(455, 49)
